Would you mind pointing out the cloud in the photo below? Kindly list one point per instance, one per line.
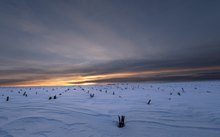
(48, 39)
(172, 77)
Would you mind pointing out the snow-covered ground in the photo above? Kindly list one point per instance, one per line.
(190, 109)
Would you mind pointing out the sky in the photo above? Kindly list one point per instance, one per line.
(69, 42)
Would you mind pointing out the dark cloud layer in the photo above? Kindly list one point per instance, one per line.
(56, 38)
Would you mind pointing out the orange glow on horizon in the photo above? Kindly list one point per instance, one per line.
(150, 72)
(83, 80)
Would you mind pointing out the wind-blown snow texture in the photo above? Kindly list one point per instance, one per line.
(193, 112)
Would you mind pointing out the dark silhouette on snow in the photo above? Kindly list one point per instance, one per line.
(121, 121)
(92, 95)
(24, 94)
(149, 102)
(7, 99)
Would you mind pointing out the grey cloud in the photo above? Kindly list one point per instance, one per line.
(55, 38)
